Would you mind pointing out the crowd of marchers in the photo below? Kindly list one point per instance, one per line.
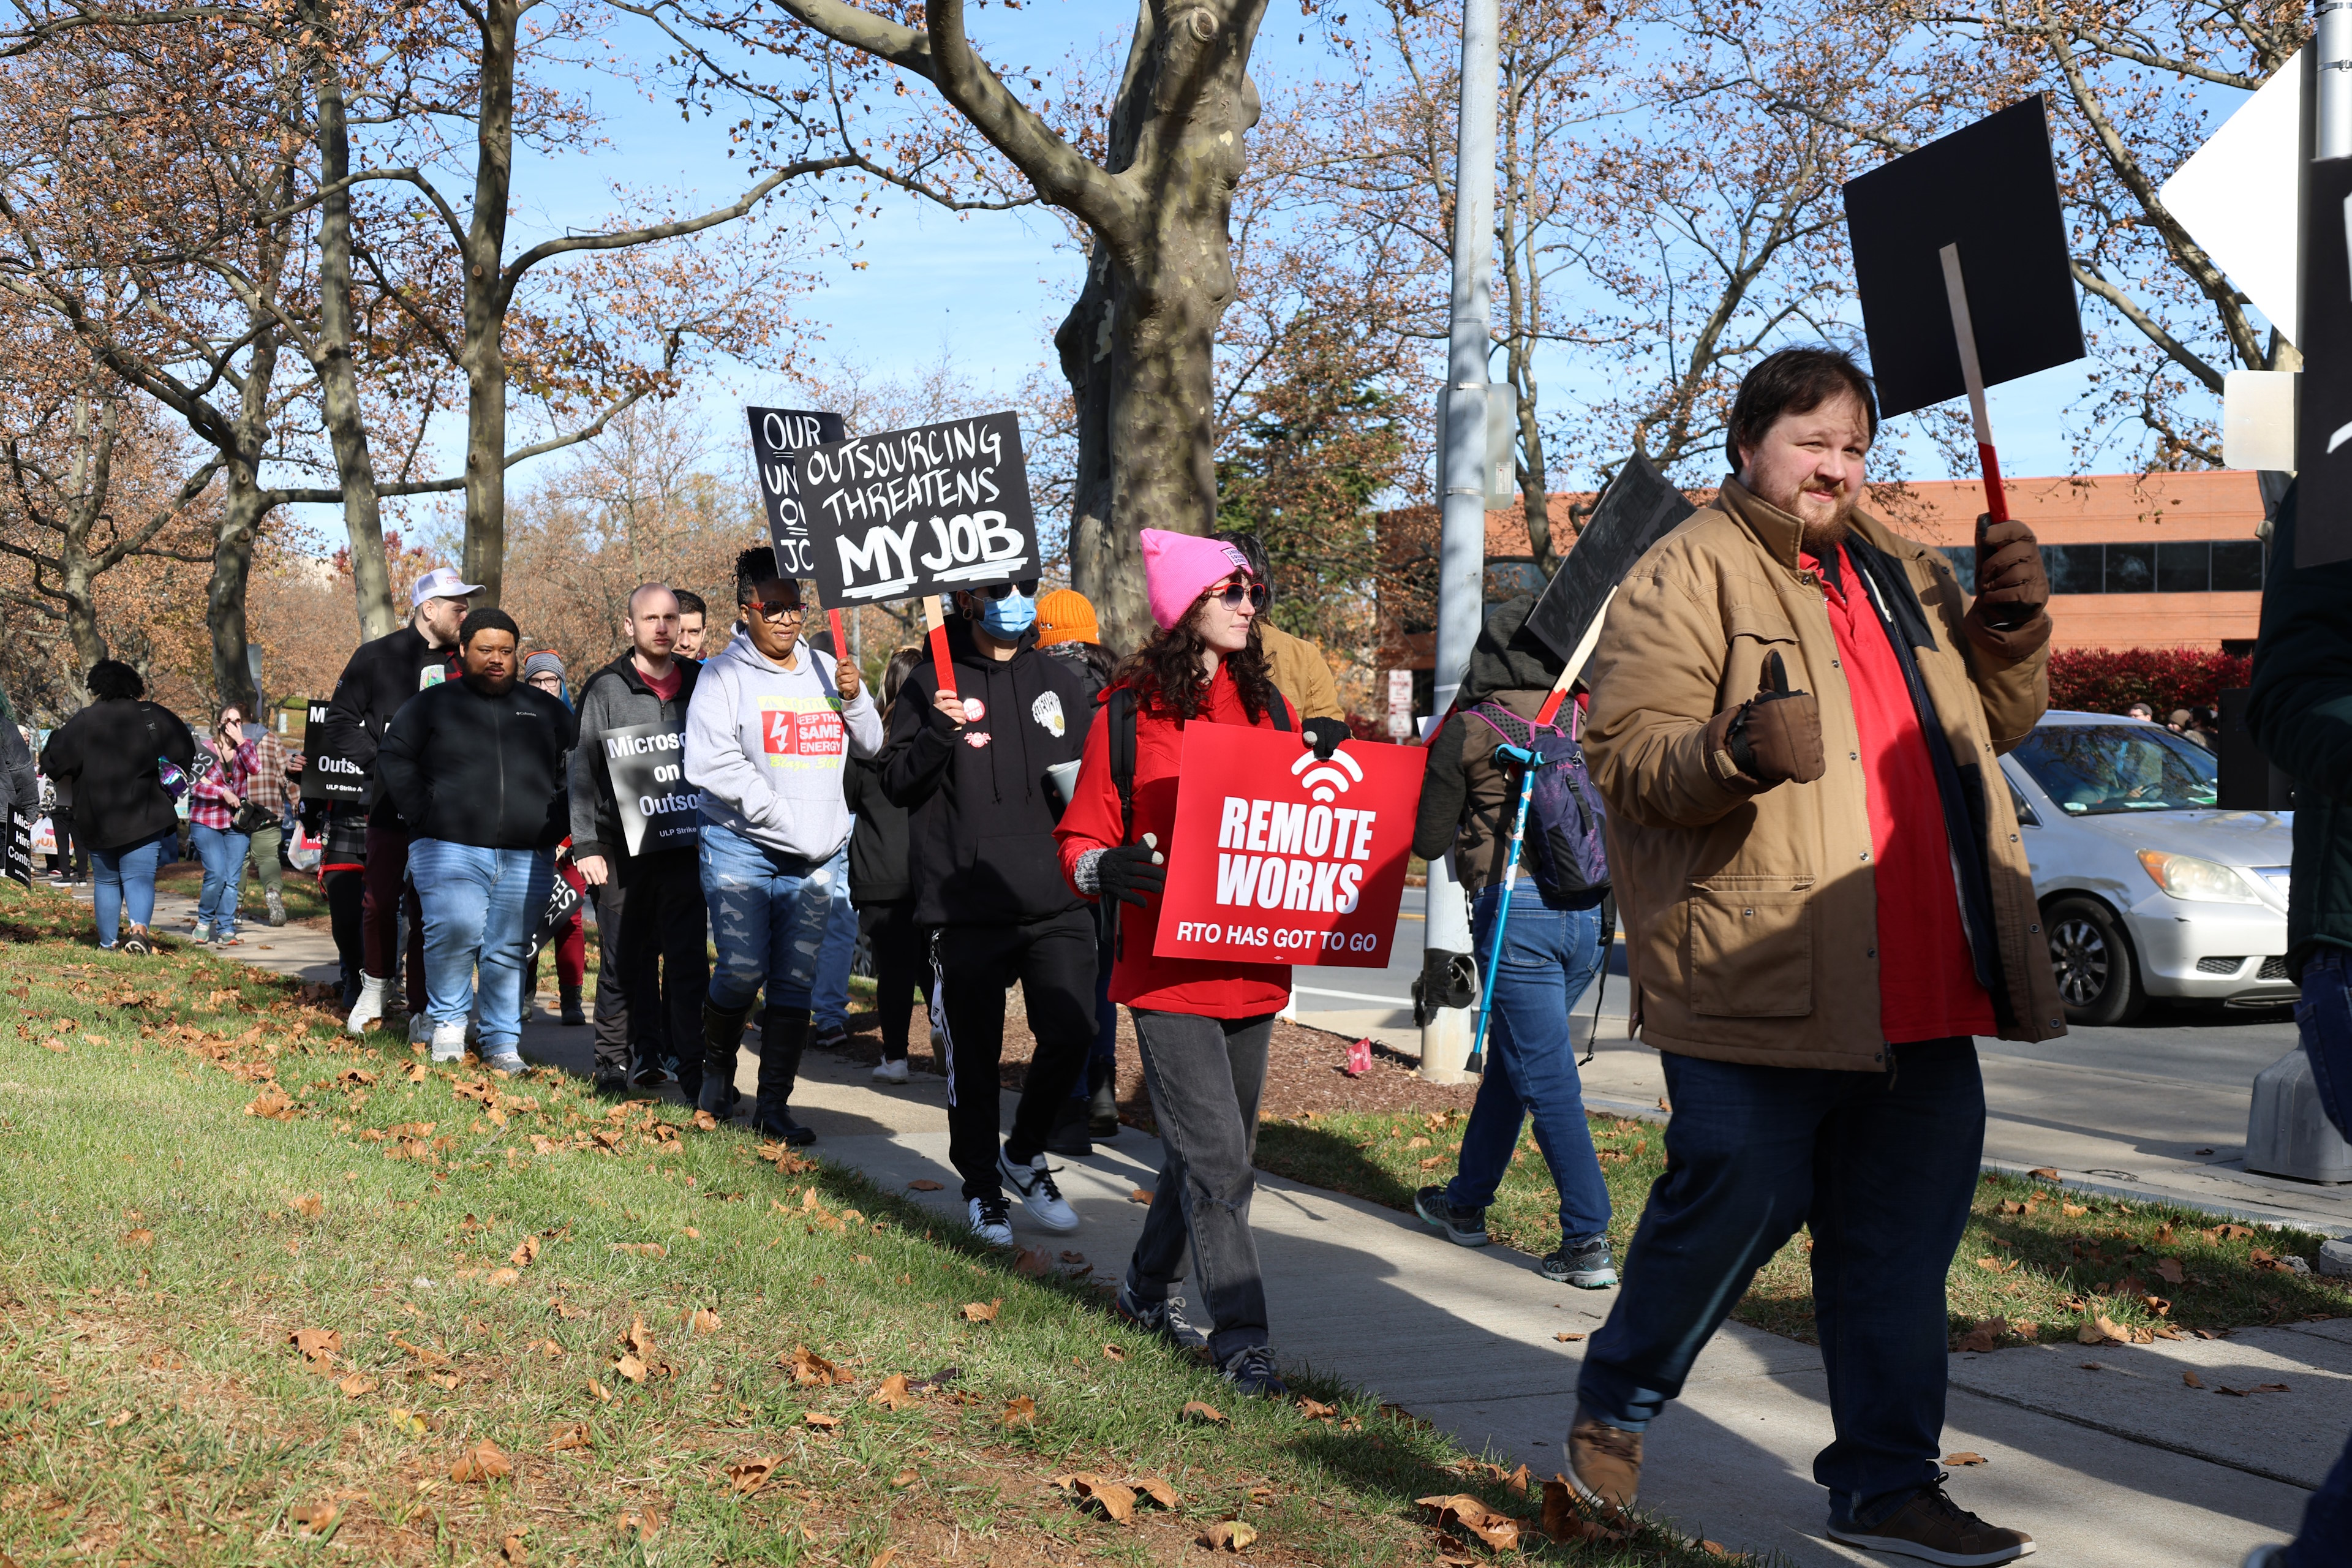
(1776, 770)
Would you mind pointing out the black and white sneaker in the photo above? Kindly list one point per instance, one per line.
(829, 1037)
(1587, 1265)
(1164, 1318)
(1252, 1371)
(1463, 1227)
(1039, 1196)
(992, 1220)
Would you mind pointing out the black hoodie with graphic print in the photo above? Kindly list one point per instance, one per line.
(980, 824)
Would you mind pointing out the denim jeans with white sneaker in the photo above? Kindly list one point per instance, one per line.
(1551, 951)
(2323, 1018)
(479, 905)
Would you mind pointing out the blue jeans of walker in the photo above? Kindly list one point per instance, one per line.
(770, 915)
(223, 853)
(479, 906)
(1882, 1166)
(2323, 1018)
(1550, 954)
(123, 882)
(829, 996)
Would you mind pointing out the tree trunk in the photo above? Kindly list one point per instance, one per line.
(486, 291)
(1139, 347)
(242, 511)
(338, 379)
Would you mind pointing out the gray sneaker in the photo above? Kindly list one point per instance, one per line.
(1163, 1318)
(1463, 1227)
(508, 1061)
(1585, 1265)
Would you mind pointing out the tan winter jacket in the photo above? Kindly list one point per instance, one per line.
(1299, 673)
(1752, 920)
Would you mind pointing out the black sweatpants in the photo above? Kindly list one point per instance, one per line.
(972, 966)
(653, 966)
(901, 971)
(346, 891)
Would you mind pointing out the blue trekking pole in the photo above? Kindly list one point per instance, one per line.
(1527, 761)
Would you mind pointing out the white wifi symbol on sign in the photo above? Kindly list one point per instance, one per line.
(1325, 781)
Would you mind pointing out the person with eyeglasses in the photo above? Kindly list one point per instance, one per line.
(1202, 1025)
(766, 733)
(969, 767)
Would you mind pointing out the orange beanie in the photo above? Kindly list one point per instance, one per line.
(1066, 615)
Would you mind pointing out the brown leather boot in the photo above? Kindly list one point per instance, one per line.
(1604, 1462)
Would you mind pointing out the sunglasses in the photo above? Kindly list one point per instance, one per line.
(1005, 590)
(773, 614)
(1232, 593)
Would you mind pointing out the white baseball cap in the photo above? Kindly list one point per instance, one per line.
(441, 583)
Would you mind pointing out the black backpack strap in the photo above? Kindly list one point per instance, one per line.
(1120, 706)
(1281, 713)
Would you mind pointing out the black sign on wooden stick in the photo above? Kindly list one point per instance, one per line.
(659, 810)
(17, 852)
(1637, 510)
(778, 437)
(921, 511)
(327, 773)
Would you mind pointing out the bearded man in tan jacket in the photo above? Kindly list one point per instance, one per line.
(1795, 720)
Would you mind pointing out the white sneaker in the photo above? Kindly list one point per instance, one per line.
(448, 1040)
(508, 1061)
(891, 1072)
(991, 1222)
(201, 931)
(367, 1008)
(1039, 1196)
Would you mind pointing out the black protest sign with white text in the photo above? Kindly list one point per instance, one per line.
(327, 775)
(646, 763)
(920, 511)
(778, 437)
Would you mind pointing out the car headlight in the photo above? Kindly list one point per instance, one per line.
(2187, 876)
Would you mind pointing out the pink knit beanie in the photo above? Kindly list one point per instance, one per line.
(1178, 568)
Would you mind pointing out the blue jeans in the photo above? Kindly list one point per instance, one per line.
(2323, 1018)
(222, 850)
(480, 906)
(1550, 954)
(829, 999)
(1882, 1166)
(122, 881)
(770, 916)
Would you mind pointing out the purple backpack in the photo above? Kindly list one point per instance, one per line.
(1564, 810)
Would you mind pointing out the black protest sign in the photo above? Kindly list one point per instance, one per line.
(778, 437)
(1637, 510)
(327, 773)
(646, 763)
(563, 901)
(1990, 188)
(2323, 424)
(920, 511)
(17, 854)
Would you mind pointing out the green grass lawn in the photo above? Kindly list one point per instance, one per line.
(2037, 1263)
(273, 1297)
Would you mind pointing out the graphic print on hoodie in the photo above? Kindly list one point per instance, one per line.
(766, 745)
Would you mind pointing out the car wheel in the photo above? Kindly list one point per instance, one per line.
(2098, 979)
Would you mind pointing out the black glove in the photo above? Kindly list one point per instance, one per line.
(1131, 873)
(1325, 735)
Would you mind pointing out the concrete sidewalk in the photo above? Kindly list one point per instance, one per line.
(2105, 1456)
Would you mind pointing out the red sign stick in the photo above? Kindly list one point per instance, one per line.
(940, 661)
(1277, 857)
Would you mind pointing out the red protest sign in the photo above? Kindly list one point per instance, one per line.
(1277, 857)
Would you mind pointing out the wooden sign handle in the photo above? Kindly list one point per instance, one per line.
(1964, 334)
(936, 621)
(1575, 666)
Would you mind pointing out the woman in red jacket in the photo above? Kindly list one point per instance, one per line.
(1203, 1025)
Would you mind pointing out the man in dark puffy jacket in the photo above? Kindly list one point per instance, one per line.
(653, 964)
(970, 768)
(380, 677)
(476, 769)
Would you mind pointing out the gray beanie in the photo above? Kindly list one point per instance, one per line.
(547, 663)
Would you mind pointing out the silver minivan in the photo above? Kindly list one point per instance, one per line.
(2147, 889)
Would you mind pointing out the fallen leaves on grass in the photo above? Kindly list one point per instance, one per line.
(1228, 1535)
(1020, 1411)
(359, 1383)
(1499, 1530)
(2169, 1269)
(309, 1206)
(481, 1464)
(1196, 1411)
(1316, 1410)
(819, 1420)
(576, 1435)
(1564, 1522)
(642, 1249)
(981, 1313)
(894, 1394)
(1034, 1261)
(1985, 1336)
(701, 1320)
(513, 1550)
(753, 1474)
(641, 1522)
(315, 1519)
(1116, 1500)
(526, 1252)
(1112, 1352)
(808, 1367)
(273, 1104)
(416, 1073)
(407, 1423)
(319, 1347)
(136, 1238)
(2047, 1173)
(630, 1366)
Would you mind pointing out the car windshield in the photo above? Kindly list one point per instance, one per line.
(2094, 768)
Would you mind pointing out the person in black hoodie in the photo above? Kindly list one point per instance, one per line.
(111, 755)
(653, 963)
(475, 768)
(374, 686)
(969, 767)
(880, 888)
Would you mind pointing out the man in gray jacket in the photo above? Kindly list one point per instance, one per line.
(766, 733)
(635, 826)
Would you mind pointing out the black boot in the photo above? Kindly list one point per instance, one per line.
(1102, 1097)
(572, 1015)
(1068, 1135)
(722, 1032)
(783, 1034)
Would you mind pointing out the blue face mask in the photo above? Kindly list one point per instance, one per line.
(1008, 618)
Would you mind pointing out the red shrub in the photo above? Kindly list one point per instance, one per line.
(2110, 679)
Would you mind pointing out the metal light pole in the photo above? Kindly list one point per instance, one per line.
(1462, 547)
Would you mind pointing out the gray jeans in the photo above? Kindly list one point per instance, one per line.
(1205, 1076)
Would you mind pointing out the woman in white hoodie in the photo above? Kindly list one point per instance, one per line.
(765, 737)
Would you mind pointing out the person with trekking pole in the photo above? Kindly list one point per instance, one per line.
(1202, 1025)
(1542, 955)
